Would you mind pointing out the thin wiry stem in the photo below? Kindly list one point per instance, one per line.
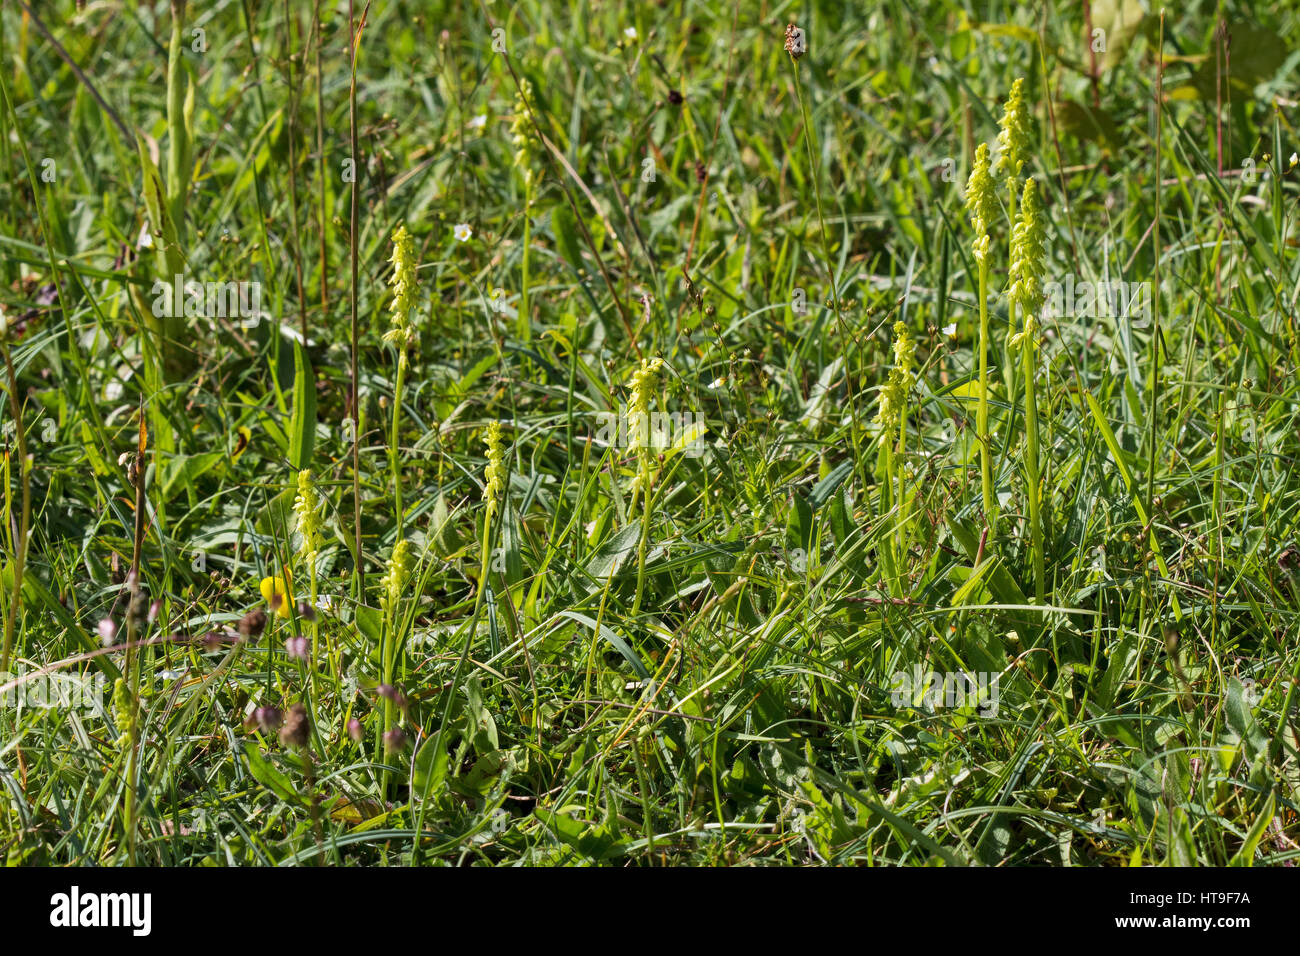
(815, 174)
(24, 515)
(320, 168)
(358, 569)
(1030, 347)
(1153, 415)
(296, 248)
(817, 188)
(982, 415)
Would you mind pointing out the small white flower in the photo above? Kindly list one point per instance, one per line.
(478, 122)
(1294, 159)
(630, 33)
(171, 675)
(718, 382)
(146, 240)
(113, 391)
(462, 232)
(950, 330)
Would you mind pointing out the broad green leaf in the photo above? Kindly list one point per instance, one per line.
(429, 769)
(566, 235)
(1246, 855)
(270, 776)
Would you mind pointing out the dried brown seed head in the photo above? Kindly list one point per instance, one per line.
(296, 731)
(796, 42)
(265, 719)
(253, 623)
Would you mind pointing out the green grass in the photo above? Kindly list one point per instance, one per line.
(686, 656)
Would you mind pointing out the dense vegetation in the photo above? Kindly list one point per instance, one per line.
(769, 433)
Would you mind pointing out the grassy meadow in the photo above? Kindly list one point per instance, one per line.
(572, 432)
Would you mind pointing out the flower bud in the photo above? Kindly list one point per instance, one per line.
(296, 731)
(266, 719)
(106, 630)
(252, 624)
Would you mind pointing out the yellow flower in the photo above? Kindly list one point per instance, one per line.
(276, 592)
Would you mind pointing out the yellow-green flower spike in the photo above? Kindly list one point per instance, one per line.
(893, 394)
(1028, 257)
(980, 200)
(904, 348)
(404, 287)
(1015, 139)
(394, 580)
(891, 401)
(494, 474)
(638, 412)
(521, 131)
(307, 507)
(124, 712)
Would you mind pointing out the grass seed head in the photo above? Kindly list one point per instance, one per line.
(266, 720)
(252, 624)
(296, 731)
(796, 41)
